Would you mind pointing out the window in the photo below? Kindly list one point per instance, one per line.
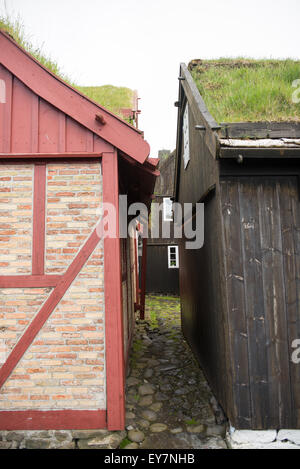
(167, 209)
(173, 260)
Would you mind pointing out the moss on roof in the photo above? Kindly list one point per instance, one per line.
(248, 90)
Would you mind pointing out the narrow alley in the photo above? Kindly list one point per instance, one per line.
(168, 401)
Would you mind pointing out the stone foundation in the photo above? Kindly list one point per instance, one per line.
(61, 439)
(263, 439)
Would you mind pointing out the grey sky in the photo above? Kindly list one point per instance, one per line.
(139, 43)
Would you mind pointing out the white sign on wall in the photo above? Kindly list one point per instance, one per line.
(186, 137)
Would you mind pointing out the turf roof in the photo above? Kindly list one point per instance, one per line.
(111, 97)
(248, 90)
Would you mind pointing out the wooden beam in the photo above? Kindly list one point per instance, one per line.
(27, 281)
(147, 168)
(136, 268)
(259, 153)
(143, 278)
(48, 307)
(115, 372)
(193, 93)
(260, 130)
(41, 156)
(38, 230)
(52, 419)
(199, 110)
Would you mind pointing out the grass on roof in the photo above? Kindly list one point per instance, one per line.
(15, 28)
(247, 90)
(111, 97)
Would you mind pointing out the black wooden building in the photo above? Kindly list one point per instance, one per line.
(163, 253)
(240, 291)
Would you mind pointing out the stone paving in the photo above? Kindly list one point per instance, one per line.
(168, 401)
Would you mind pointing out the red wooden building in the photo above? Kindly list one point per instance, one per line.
(67, 297)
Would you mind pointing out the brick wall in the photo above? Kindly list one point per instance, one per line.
(15, 219)
(64, 367)
(73, 202)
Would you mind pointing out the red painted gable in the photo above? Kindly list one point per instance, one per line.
(48, 115)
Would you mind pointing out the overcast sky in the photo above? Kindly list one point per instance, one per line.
(140, 43)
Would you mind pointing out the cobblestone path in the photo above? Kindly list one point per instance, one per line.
(168, 401)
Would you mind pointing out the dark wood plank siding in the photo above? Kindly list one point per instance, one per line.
(203, 296)
(159, 278)
(236, 305)
(201, 172)
(260, 130)
(260, 235)
(203, 309)
(240, 291)
(291, 252)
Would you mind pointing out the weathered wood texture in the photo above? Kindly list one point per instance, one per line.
(127, 298)
(204, 320)
(261, 226)
(260, 153)
(240, 291)
(202, 270)
(260, 130)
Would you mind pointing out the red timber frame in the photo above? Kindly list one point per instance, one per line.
(114, 339)
(143, 278)
(113, 417)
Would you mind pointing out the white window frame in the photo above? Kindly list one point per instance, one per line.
(170, 261)
(167, 209)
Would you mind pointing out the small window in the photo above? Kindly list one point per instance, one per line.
(167, 209)
(173, 260)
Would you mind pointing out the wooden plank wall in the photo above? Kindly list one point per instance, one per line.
(202, 289)
(261, 228)
(160, 279)
(203, 310)
(37, 126)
